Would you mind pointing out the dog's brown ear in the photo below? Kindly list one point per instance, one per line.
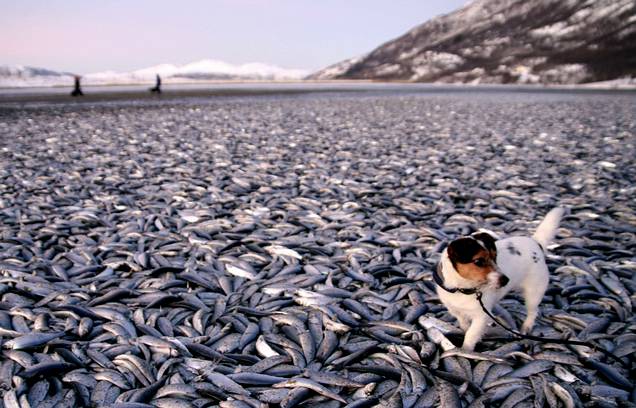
(487, 240)
(462, 250)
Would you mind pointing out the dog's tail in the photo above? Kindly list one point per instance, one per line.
(547, 229)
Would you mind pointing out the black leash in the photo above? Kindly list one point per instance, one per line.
(439, 280)
(549, 340)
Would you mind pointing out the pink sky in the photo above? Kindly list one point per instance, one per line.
(87, 36)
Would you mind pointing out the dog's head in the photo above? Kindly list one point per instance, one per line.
(475, 258)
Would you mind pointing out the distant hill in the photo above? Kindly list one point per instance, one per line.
(508, 41)
(20, 76)
(23, 76)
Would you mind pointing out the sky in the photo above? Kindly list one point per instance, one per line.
(84, 36)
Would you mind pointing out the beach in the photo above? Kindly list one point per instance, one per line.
(275, 244)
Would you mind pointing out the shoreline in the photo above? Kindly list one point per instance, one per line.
(105, 93)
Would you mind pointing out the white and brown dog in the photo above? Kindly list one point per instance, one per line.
(493, 267)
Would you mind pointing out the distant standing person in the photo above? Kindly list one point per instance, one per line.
(78, 90)
(157, 87)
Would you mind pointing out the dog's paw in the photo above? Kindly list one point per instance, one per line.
(468, 347)
(525, 329)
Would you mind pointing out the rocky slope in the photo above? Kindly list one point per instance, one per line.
(508, 41)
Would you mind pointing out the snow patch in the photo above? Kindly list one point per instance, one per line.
(565, 74)
(432, 62)
(409, 54)
(387, 69)
(558, 29)
(620, 83)
(524, 75)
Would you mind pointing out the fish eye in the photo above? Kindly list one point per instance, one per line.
(481, 262)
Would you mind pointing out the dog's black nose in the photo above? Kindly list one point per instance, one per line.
(503, 280)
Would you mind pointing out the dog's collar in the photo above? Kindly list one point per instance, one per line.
(437, 277)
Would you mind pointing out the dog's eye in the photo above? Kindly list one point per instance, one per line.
(481, 262)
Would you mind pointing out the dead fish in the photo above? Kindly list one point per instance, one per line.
(46, 369)
(531, 368)
(473, 356)
(240, 272)
(294, 254)
(225, 383)
(312, 385)
(31, 340)
(282, 251)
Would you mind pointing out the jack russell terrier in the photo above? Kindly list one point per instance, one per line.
(481, 263)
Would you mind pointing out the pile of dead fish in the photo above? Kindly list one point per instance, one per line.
(278, 251)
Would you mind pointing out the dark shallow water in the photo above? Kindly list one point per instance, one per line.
(138, 94)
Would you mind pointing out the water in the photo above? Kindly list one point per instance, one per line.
(138, 94)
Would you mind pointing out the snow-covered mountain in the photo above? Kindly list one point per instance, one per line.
(335, 70)
(509, 41)
(22, 76)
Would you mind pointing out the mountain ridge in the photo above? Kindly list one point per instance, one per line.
(207, 69)
(508, 41)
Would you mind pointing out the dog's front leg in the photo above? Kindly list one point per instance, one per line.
(474, 332)
(464, 321)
